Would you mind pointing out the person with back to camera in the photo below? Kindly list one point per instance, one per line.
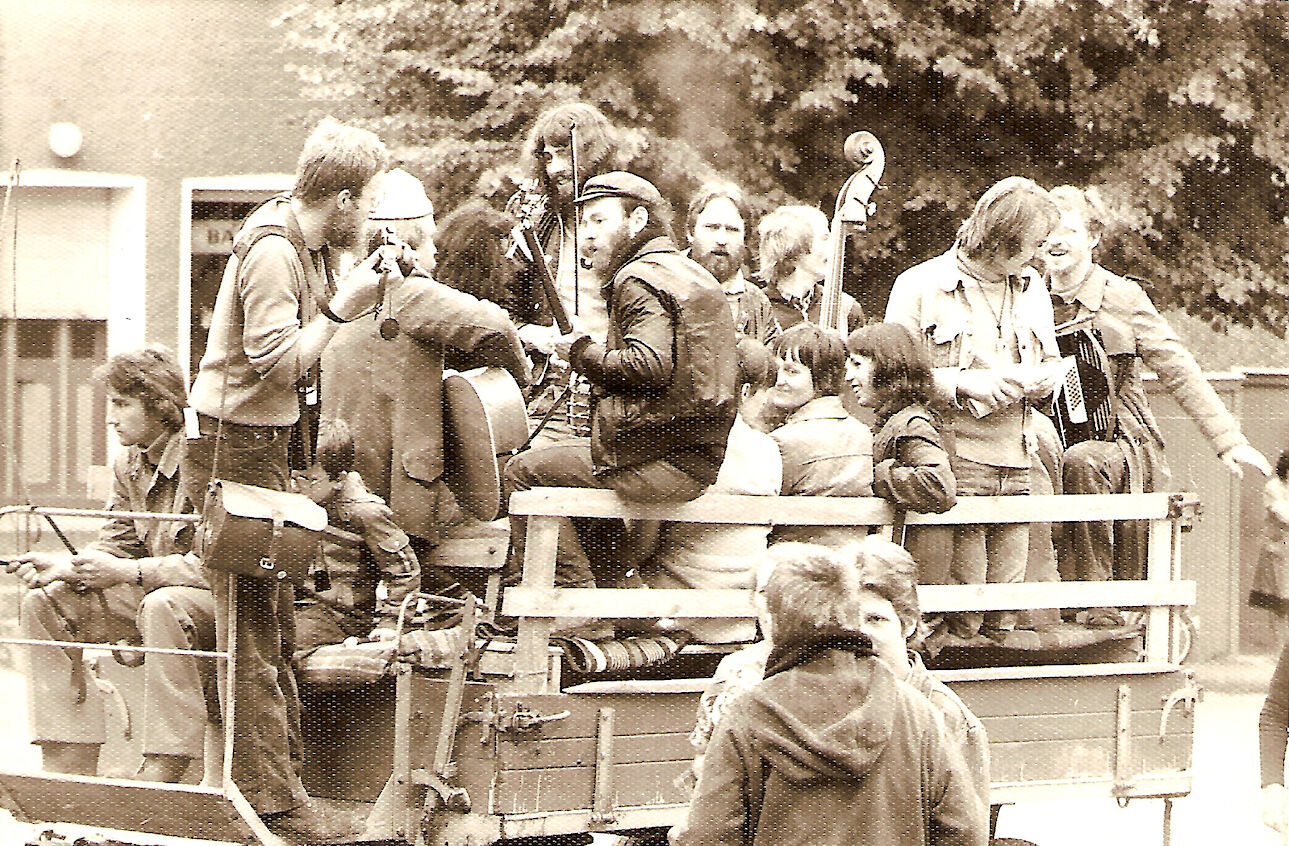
(891, 619)
(986, 320)
(1270, 588)
(826, 452)
(390, 391)
(832, 747)
(1134, 336)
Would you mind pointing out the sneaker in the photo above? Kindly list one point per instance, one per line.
(310, 824)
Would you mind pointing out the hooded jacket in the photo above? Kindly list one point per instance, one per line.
(836, 751)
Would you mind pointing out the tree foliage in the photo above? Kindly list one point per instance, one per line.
(1176, 110)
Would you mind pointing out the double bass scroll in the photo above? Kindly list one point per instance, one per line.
(851, 214)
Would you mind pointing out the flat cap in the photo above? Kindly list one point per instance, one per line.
(402, 198)
(619, 183)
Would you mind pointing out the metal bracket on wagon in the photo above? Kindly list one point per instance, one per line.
(1186, 696)
(520, 720)
(1186, 509)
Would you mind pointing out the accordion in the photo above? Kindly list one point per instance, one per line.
(1083, 409)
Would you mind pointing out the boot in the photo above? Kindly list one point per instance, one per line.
(167, 769)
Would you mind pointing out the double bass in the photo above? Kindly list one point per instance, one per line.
(850, 215)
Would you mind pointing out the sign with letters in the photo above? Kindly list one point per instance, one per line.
(214, 237)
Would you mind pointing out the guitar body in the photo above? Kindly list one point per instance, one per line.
(484, 422)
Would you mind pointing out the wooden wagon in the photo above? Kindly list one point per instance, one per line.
(504, 742)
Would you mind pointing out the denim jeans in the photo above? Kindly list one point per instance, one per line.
(988, 553)
(591, 550)
(267, 751)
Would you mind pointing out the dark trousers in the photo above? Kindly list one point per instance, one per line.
(267, 751)
(591, 550)
(1097, 551)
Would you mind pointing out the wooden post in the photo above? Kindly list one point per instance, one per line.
(1160, 643)
(534, 633)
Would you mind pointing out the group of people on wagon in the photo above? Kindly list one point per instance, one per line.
(673, 370)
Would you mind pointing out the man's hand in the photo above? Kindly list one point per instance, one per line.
(357, 292)
(1243, 454)
(1274, 814)
(1039, 382)
(37, 569)
(381, 633)
(992, 388)
(97, 570)
(564, 343)
(539, 338)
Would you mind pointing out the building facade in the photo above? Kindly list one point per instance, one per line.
(134, 135)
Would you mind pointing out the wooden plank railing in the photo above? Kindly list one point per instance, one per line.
(537, 603)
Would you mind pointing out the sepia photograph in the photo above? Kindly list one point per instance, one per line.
(644, 422)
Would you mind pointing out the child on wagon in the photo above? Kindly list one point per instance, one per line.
(362, 547)
(890, 371)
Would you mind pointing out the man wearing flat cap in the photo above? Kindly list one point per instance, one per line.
(390, 391)
(664, 390)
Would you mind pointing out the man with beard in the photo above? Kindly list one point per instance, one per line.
(717, 241)
(664, 385)
(277, 308)
(549, 151)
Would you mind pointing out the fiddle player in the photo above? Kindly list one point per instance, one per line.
(550, 159)
(664, 384)
(1134, 335)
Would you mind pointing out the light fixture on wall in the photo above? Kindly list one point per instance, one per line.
(65, 139)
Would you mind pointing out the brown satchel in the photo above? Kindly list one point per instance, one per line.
(241, 521)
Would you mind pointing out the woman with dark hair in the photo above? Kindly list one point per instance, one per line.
(890, 371)
(826, 452)
(471, 244)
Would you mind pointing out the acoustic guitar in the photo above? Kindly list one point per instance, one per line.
(484, 423)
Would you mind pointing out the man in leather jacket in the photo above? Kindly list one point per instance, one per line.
(664, 386)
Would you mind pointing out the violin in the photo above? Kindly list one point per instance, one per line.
(850, 215)
(535, 222)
